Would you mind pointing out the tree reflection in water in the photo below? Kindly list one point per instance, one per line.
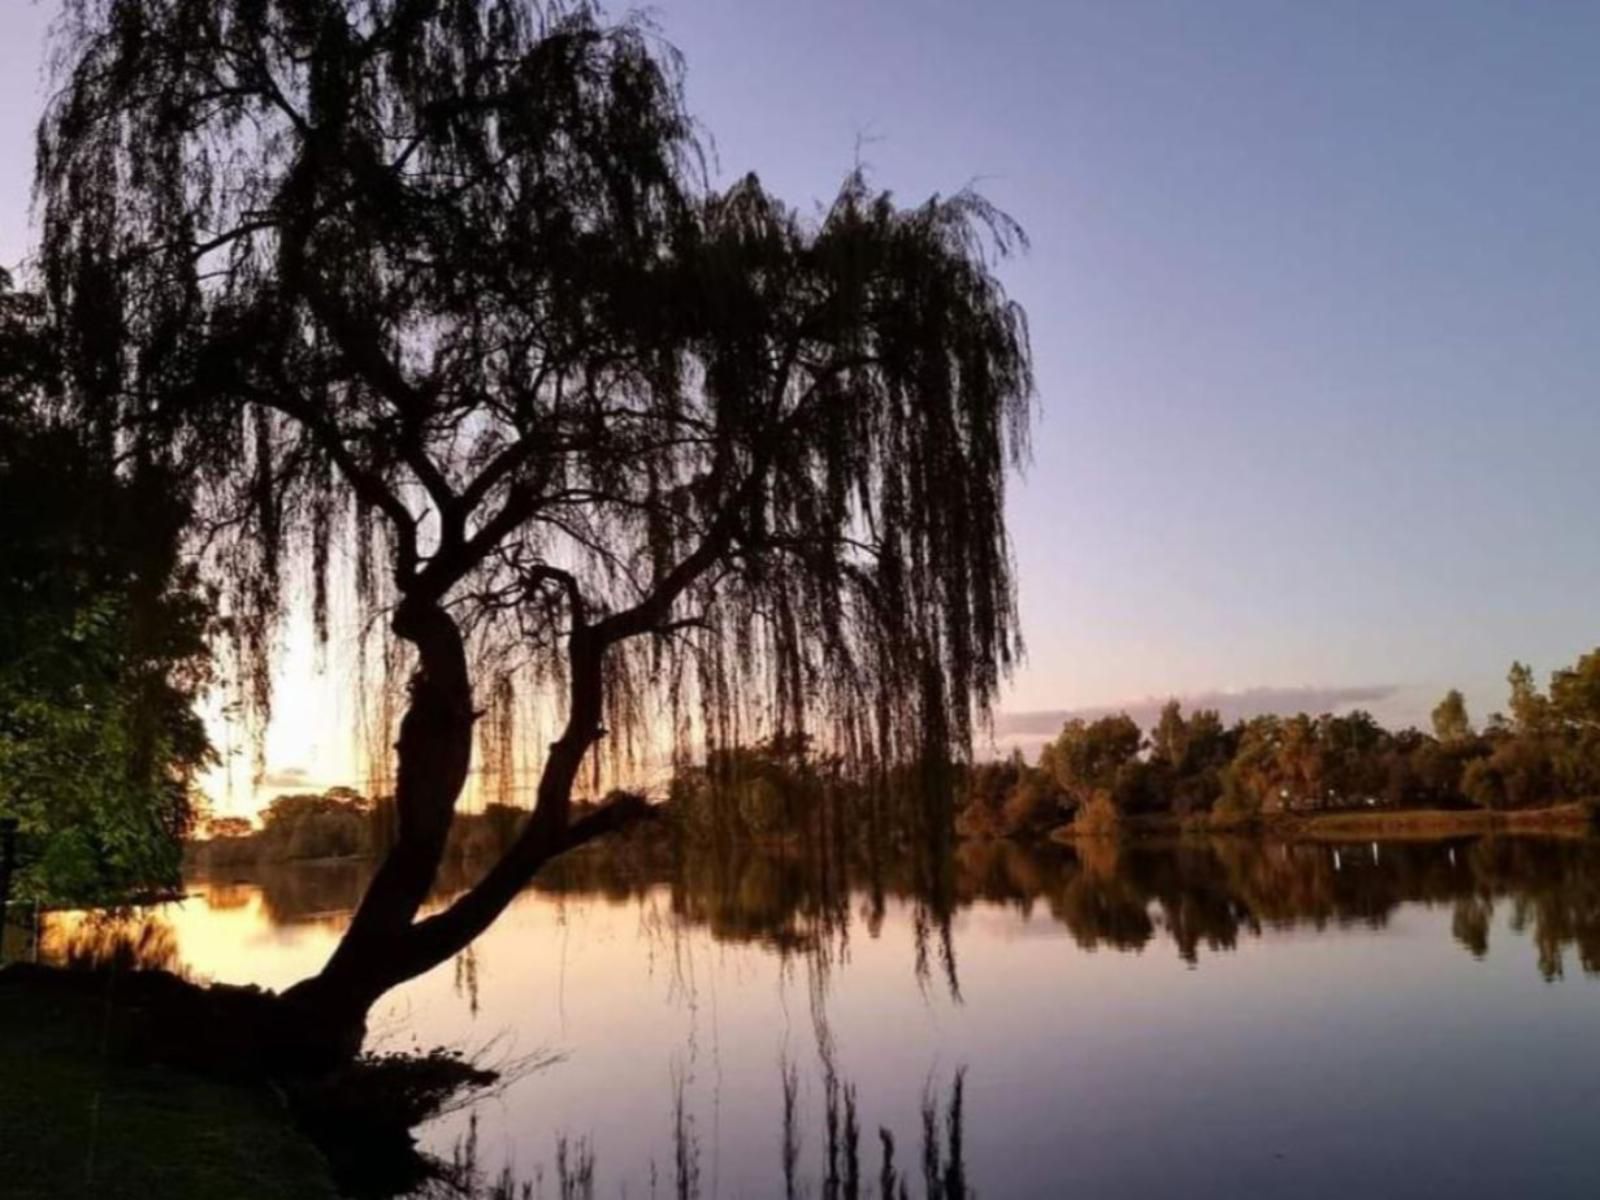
(1200, 894)
(1197, 893)
(1193, 897)
(841, 1173)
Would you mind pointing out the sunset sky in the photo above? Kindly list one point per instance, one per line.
(1312, 291)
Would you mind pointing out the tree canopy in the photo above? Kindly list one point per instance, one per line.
(1450, 720)
(438, 288)
(439, 279)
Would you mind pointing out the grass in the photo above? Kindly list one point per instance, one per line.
(77, 1118)
(1429, 823)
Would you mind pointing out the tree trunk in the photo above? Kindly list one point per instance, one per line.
(433, 754)
(325, 1016)
(548, 832)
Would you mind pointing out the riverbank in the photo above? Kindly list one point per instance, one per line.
(83, 1118)
(118, 1082)
(1362, 824)
(657, 845)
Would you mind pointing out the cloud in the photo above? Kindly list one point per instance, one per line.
(1027, 729)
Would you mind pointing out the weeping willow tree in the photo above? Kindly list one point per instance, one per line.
(437, 288)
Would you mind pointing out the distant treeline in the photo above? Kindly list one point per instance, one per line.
(340, 823)
(1095, 776)
(1098, 774)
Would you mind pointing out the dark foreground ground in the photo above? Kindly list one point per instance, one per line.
(81, 1116)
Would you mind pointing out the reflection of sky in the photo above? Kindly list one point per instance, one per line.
(1356, 1061)
(1312, 291)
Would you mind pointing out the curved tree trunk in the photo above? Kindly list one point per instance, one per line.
(433, 755)
(325, 1015)
(548, 832)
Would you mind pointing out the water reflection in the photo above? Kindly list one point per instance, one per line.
(1199, 895)
(843, 1173)
(94, 941)
(1277, 1018)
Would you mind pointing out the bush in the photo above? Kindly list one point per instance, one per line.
(1032, 807)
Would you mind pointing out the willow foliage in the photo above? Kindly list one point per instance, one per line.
(434, 292)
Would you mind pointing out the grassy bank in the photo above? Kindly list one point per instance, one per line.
(1431, 823)
(81, 1120)
(1383, 824)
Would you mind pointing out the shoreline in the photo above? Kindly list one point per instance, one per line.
(1419, 824)
(1568, 820)
(85, 1110)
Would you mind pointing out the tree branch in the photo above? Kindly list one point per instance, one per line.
(368, 486)
(356, 339)
(436, 938)
(654, 609)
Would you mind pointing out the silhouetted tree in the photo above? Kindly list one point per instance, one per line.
(437, 282)
(228, 827)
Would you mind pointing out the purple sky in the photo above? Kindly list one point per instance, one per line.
(1312, 290)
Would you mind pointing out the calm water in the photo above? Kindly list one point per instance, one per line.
(1214, 1019)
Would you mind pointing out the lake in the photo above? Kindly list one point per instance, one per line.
(1208, 1018)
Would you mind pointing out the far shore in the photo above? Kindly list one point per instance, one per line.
(1561, 820)
(1381, 825)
